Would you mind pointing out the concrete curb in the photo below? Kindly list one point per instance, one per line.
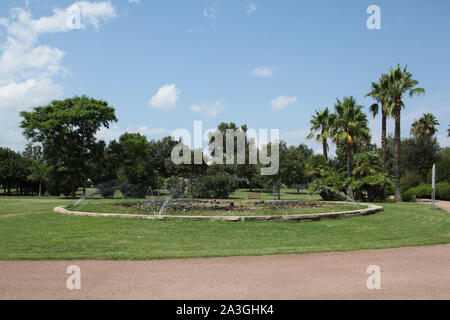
(371, 209)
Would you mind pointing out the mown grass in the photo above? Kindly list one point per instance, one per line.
(29, 230)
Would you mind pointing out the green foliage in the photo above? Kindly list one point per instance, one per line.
(408, 196)
(372, 187)
(317, 167)
(424, 191)
(443, 166)
(425, 127)
(330, 188)
(135, 172)
(176, 187)
(107, 189)
(66, 129)
(213, 187)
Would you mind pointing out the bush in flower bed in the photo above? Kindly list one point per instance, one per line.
(213, 187)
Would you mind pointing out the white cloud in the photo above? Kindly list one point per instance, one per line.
(209, 109)
(29, 70)
(134, 1)
(282, 102)
(29, 93)
(263, 72)
(251, 8)
(211, 13)
(166, 98)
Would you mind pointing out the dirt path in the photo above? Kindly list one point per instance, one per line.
(441, 204)
(406, 273)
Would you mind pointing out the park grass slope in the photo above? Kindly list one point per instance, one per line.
(29, 230)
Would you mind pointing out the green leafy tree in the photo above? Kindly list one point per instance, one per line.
(67, 131)
(37, 167)
(317, 167)
(136, 173)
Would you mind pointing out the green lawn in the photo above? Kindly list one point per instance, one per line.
(29, 230)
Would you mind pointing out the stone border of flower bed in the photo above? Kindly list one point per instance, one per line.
(371, 209)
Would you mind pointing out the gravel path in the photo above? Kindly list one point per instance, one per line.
(406, 273)
(441, 204)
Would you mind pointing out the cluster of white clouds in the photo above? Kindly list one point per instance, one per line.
(283, 102)
(29, 71)
(167, 96)
(211, 110)
(263, 72)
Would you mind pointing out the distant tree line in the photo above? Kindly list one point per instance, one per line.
(65, 155)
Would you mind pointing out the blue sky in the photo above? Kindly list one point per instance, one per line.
(268, 64)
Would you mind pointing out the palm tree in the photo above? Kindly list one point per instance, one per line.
(321, 123)
(425, 126)
(349, 126)
(380, 93)
(400, 82)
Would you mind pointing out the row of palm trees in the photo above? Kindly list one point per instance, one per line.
(348, 124)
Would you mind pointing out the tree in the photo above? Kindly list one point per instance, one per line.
(425, 127)
(66, 129)
(400, 82)
(349, 127)
(317, 167)
(321, 123)
(380, 93)
(367, 163)
(37, 167)
(136, 173)
(293, 165)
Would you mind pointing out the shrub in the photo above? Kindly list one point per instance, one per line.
(443, 191)
(330, 188)
(408, 196)
(424, 191)
(421, 191)
(176, 187)
(373, 187)
(213, 187)
(107, 189)
(134, 190)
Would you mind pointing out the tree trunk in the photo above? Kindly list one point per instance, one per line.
(84, 186)
(397, 140)
(383, 137)
(349, 168)
(40, 188)
(325, 150)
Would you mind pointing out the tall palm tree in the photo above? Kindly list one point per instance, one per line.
(349, 127)
(380, 93)
(321, 123)
(425, 126)
(400, 82)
